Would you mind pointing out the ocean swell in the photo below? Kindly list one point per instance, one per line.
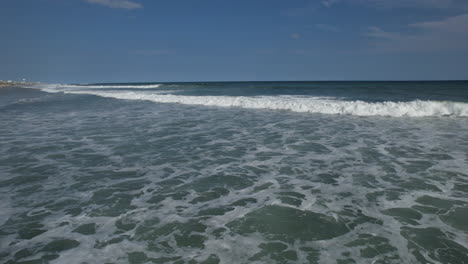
(417, 108)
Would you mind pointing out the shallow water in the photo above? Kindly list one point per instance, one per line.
(87, 179)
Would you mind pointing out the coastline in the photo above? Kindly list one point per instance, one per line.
(4, 84)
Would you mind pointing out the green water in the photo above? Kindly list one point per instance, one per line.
(86, 179)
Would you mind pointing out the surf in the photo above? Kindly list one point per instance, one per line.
(307, 104)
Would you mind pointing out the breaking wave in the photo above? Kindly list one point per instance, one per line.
(417, 108)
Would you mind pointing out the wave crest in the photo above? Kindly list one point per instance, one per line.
(415, 108)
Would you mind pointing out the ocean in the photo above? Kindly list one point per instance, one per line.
(234, 172)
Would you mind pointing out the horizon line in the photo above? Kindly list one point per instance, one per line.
(225, 81)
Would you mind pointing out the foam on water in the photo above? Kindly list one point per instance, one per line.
(310, 104)
(136, 182)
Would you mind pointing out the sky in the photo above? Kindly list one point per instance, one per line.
(88, 41)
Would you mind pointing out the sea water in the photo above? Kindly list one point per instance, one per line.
(246, 172)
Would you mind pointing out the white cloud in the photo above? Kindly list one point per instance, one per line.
(377, 32)
(455, 24)
(123, 4)
(410, 3)
(329, 3)
(388, 4)
(313, 6)
(295, 36)
(450, 34)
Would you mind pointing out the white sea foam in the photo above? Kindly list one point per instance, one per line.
(417, 108)
(149, 86)
(351, 170)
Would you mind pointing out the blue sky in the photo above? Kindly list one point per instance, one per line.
(215, 40)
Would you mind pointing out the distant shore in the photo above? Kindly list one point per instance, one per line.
(12, 84)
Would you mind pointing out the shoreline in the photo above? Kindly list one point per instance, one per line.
(4, 84)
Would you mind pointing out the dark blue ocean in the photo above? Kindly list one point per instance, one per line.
(234, 172)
